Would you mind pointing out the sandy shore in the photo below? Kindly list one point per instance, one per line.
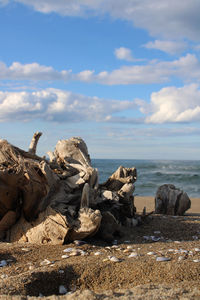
(148, 202)
(40, 270)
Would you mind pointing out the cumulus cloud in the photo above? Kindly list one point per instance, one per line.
(186, 67)
(57, 105)
(177, 19)
(33, 71)
(169, 105)
(171, 47)
(172, 104)
(124, 54)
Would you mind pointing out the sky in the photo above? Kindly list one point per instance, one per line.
(123, 75)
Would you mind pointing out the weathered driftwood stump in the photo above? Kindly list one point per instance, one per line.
(60, 200)
(171, 200)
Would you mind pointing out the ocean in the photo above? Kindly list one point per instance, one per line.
(153, 173)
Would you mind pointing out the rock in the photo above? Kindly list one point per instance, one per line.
(171, 200)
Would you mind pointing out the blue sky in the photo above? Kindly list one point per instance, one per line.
(123, 75)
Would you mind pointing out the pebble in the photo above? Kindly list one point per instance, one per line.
(3, 263)
(195, 237)
(114, 259)
(62, 290)
(162, 258)
(61, 271)
(3, 276)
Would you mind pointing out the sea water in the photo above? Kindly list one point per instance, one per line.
(153, 173)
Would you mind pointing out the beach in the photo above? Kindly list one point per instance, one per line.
(136, 271)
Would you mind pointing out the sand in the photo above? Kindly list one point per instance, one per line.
(91, 276)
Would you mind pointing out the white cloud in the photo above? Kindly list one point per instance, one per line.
(33, 71)
(177, 19)
(57, 105)
(186, 68)
(171, 47)
(124, 54)
(4, 2)
(169, 105)
(172, 104)
(86, 76)
(139, 133)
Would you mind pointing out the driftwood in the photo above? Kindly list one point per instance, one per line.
(171, 200)
(59, 200)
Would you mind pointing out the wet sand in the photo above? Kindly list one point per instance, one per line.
(90, 276)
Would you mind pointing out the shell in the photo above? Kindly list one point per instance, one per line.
(162, 258)
(114, 259)
(68, 249)
(45, 262)
(62, 290)
(65, 256)
(75, 253)
(196, 260)
(155, 238)
(133, 255)
(151, 253)
(3, 263)
(97, 253)
(129, 247)
(197, 249)
(79, 243)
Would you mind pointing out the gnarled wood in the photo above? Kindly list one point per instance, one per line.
(36, 194)
(171, 200)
